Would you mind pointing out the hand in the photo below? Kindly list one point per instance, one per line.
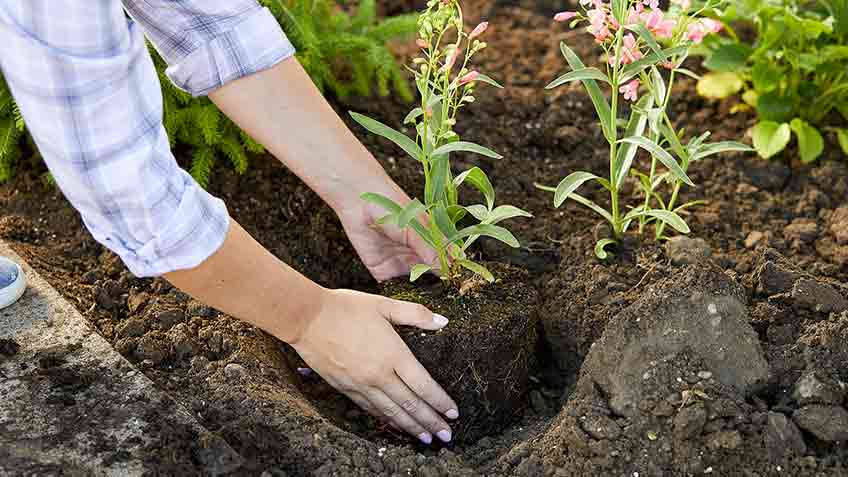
(386, 251)
(351, 344)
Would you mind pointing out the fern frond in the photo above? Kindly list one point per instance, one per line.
(364, 17)
(18, 117)
(250, 144)
(202, 162)
(401, 26)
(232, 148)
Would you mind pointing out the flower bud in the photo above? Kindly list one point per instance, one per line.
(564, 16)
(469, 77)
(422, 43)
(451, 122)
(419, 61)
(478, 30)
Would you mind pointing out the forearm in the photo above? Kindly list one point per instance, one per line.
(246, 281)
(282, 109)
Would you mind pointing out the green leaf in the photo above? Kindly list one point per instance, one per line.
(659, 85)
(600, 246)
(719, 147)
(842, 136)
(410, 118)
(774, 107)
(486, 79)
(396, 137)
(579, 75)
(418, 270)
(598, 99)
(810, 141)
(456, 213)
(648, 38)
(480, 212)
(489, 230)
(463, 146)
(729, 57)
(770, 138)
(765, 76)
(570, 184)
(504, 212)
(689, 73)
(650, 59)
(635, 127)
(595, 207)
(663, 157)
(477, 268)
(476, 177)
(443, 220)
(674, 141)
(720, 85)
(411, 211)
(382, 201)
(667, 216)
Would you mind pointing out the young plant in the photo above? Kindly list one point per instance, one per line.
(630, 32)
(446, 84)
(794, 72)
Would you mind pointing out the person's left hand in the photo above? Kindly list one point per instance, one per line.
(386, 251)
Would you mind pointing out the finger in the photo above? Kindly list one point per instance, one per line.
(395, 414)
(413, 374)
(412, 314)
(365, 404)
(419, 410)
(422, 249)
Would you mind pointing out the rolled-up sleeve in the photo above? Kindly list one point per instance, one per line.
(208, 43)
(86, 85)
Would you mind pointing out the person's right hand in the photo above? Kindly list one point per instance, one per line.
(350, 342)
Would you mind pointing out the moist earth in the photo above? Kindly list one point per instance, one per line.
(762, 392)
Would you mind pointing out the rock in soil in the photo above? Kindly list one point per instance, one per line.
(816, 388)
(483, 358)
(801, 230)
(839, 225)
(782, 436)
(818, 296)
(684, 250)
(689, 422)
(700, 309)
(828, 423)
(775, 274)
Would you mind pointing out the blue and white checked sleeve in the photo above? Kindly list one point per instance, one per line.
(87, 88)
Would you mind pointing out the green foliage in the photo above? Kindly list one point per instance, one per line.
(344, 54)
(794, 73)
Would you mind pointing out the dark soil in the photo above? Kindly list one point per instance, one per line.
(483, 359)
(776, 233)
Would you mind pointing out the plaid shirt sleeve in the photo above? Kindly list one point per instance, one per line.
(86, 85)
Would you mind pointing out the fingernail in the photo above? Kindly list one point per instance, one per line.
(440, 320)
(425, 437)
(444, 435)
(452, 413)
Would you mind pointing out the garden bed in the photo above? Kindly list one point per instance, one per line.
(772, 267)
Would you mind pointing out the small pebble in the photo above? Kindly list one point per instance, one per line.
(705, 374)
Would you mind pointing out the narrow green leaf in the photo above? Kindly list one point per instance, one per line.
(659, 85)
(456, 213)
(810, 140)
(598, 99)
(410, 118)
(842, 136)
(666, 216)
(382, 201)
(403, 141)
(505, 212)
(480, 212)
(588, 203)
(412, 210)
(633, 69)
(476, 177)
(489, 230)
(579, 75)
(648, 38)
(463, 146)
(570, 184)
(477, 268)
(674, 142)
(770, 138)
(486, 79)
(635, 127)
(418, 270)
(443, 220)
(600, 251)
(663, 157)
(719, 147)
(688, 73)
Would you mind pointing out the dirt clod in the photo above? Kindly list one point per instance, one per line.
(683, 250)
(818, 296)
(817, 388)
(828, 423)
(839, 225)
(9, 347)
(782, 436)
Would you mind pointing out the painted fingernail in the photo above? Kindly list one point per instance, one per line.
(440, 320)
(452, 413)
(425, 437)
(444, 435)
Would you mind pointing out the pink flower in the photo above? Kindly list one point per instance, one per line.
(421, 43)
(665, 29)
(450, 60)
(601, 33)
(669, 65)
(478, 30)
(629, 51)
(683, 4)
(564, 16)
(711, 25)
(654, 4)
(696, 32)
(597, 17)
(469, 77)
(630, 90)
(657, 24)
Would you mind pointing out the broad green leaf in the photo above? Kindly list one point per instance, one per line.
(579, 75)
(719, 147)
(411, 211)
(765, 76)
(633, 69)
(476, 177)
(598, 99)
(456, 213)
(570, 184)
(648, 38)
(489, 230)
(662, 155)
(810, 141)
(842, 136)
(418, 270)
(480, 212)
(463, 146)
(635, 127)
(720, 85)
(396, 137)
(729, 57)
(485, 79)
(774, 107)
(382, 201)
(478, 269)
(770, 138)
(504, 212)
(600, 246)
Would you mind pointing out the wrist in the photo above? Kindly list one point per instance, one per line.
(294, 327)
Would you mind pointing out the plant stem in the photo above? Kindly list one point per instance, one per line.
(616, 213)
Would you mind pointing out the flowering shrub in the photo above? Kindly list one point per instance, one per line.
(629, 31)
(794, 72)
(445, 84)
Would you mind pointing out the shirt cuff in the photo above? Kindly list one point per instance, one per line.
(255, 44)
(196, 230)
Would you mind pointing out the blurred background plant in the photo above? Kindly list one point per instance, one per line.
(789, 63)
(344, 50)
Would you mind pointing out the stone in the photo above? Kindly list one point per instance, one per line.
(817, 388)
(768, 175)
(182, 341)
(818, 296)
(775, 274)
(131, 328)
(235, 371)
(828, 423)
(684, 250)
(724, 440)
(782, 436)
(600, 427)
(690, 421)
(753, 239)
(801, 230)
(839, 225)
(169, 318)
(150, 349)
(699, 310)
(137, 301)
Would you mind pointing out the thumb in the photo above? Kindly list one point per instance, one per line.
(411, 314)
